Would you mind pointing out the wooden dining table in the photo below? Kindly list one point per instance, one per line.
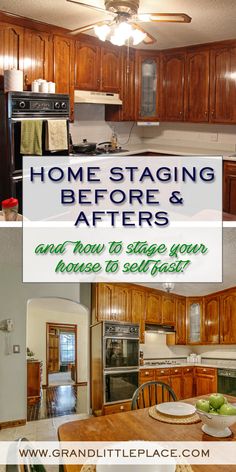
(139, 425)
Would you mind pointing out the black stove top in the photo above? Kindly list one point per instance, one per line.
(101, 151)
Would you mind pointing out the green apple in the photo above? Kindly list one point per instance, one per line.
(216, 400)
(203, 405)
(213, 412)
(227, 409)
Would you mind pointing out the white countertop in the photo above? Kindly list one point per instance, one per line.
(224, 365)
(177, 150)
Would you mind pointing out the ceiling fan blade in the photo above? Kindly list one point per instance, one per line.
(164, 17)
(149, 38)
(83, 29)
(90, 6)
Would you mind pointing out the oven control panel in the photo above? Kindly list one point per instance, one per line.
(34, 104)
(121, 330)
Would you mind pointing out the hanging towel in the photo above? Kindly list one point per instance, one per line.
(56, 135)
(31, 137)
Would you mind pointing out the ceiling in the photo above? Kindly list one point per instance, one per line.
(212, 20)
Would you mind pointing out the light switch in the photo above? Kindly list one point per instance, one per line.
(16, 349)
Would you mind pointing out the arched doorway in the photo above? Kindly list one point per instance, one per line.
(57, 398)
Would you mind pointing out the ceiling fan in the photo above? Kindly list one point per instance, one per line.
(123, 26)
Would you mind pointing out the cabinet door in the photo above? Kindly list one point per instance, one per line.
(222, 104)
(11, 48)
(180, 337)
(110, 69)
(87, 66)
(205, 385)
(168, 309)
(228, 318)
(229, 188)
(210, 325)
(36, 56)
(64, 67)
(173, 70)
(194, 321)
(138, 310)
(121, 303)
(187, 386)
(176, 385)
(197, 86)
(148, 105)
(104, 301)
(162, 394)
(154, 310)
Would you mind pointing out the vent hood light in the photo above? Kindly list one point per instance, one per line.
(159, 329)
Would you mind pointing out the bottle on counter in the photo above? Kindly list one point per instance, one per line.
(114, 140)
(10, 209)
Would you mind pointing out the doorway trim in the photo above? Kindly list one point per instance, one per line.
(60, 325)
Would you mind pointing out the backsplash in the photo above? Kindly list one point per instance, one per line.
(207, 136)
(90, 124)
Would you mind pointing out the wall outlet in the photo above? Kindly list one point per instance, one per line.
(214, 137)
(16, 349)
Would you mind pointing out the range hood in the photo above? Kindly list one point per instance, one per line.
(99, 98)
(160, 329)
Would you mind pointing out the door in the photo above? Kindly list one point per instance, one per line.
(11, 48)
(228, 318)
(180, 337)
(211, 322)
(197, 86)
(205, 385)
(87, 66)
(173, 70)
(168, 309)
(138, 311)
(36, 57)
(53, 351)
(104, 295)
(221, 109)
(64, 67)
(176, 385)
(148, 73)
(154, 309)
(110, 69)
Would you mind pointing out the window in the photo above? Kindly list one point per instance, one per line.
(67, 347)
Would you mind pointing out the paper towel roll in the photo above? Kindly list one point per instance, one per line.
(13, 80)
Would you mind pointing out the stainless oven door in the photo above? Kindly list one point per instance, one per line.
(120, 386)
(120, 352)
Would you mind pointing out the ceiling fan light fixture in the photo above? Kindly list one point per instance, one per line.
(102, 31)
(138, 36)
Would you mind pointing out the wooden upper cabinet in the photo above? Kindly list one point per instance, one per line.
(180, 337)
(211, 325)
(11, 48)
(229, 187)
(102, 301)
(64, 67)
(148, 82)
(228, 317)
(121, 303)
(110, 69)
(87, 66)
(154, 308)
(36, 57)
(194, 320)
(138, 309)
(173, 77)
(222, 100)
(197, 86)
(168, 309)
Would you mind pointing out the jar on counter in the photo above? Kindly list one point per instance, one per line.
(10, 209)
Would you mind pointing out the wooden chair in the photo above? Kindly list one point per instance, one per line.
(152, 393)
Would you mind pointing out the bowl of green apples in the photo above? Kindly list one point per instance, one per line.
(217, 415)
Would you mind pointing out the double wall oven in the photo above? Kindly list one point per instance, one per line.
(14, 108)
(120, 361)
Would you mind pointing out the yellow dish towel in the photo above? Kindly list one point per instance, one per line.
(56, 135)
(31, 137)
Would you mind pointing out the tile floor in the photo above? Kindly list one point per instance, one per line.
(42, 430)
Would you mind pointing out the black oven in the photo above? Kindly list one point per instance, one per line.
(120, 345)
(120, 386)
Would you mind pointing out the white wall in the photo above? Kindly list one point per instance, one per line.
(39, 313)
(14, 296)
(155, 347)
(209, 136)
(90, 124)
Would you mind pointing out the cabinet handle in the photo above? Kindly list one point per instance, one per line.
(180, 112)
(213, 112)
(176, 370)
(206, 113)
(121, 408)
(162, 371)
(187, 370)
(204, 370)
(146, 373)
(26, 80)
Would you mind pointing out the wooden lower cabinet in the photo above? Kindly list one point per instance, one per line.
(116, 408)
(205, 381)
(34, 381)
(188, 382)
(176, 381)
